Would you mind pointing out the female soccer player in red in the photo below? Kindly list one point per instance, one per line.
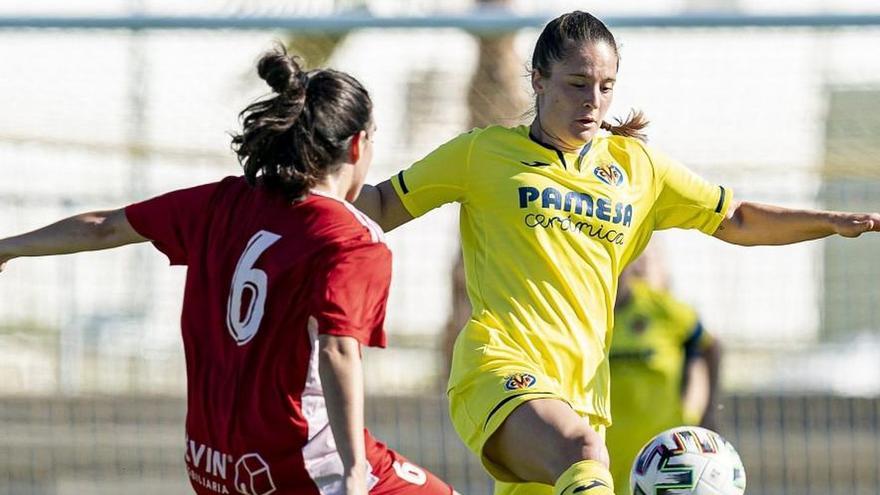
(285, 281)
(550, 214)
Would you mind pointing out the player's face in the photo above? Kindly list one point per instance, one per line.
(362, 165)
(574, 98)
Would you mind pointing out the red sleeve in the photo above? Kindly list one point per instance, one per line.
(170, 220)
(352, 291)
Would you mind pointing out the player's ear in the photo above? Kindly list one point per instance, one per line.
(537, 82)
(356, 149)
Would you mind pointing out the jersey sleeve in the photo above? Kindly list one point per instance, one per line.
(684, 199)
(170, 220)
(697, 341)
(352, 292)
(686, 325)
(437, 179)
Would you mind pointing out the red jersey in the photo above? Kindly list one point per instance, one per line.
(264, 278)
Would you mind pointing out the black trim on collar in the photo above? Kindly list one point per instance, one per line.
(561, 156)
(559, 153)
(583, 152)
(539, 143)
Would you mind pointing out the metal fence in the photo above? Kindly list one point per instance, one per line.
(791, 445)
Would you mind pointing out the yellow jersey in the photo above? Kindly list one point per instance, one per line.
(654, 334)
(544, 236)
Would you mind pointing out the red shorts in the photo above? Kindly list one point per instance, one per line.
(214, 472)
(398, 476)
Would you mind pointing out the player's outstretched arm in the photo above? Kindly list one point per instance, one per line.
(383, 205)
(85, 232)
(339, 365)
(756, 224)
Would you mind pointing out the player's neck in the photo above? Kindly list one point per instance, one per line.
(335, 186)
(538, 134)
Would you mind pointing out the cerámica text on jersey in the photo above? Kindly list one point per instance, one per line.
(567, 224)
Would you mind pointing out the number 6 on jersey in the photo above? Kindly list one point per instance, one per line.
(243, 323)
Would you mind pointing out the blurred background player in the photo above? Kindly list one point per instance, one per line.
(550, 212)
(664, 365)
(285, 281)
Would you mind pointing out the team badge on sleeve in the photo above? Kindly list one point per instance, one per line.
(519, 381)
(610, 174)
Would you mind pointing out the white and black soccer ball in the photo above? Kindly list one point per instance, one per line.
(688, 460)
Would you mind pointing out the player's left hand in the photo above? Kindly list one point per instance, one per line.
(855, 224)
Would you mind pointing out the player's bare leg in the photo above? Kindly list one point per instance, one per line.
(545, 441)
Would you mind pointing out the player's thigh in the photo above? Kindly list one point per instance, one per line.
(400, 476)
(542, 438)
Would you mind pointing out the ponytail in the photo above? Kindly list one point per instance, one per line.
(294, 138)
(632, 127)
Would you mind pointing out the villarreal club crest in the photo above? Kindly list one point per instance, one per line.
(610, 173)
(519, 381)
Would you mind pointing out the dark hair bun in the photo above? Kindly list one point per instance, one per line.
(281, 71)
(291, 142)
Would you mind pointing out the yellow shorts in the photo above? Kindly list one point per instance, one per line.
(480, 405)
(491, 376)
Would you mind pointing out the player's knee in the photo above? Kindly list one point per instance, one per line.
(586, 445)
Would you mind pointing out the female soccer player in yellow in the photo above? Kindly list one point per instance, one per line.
(664, 365)
(550, 215)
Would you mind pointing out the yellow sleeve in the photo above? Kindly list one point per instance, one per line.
(684, 199)
(437, 179)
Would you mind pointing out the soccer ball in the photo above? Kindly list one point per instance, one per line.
(688, 460)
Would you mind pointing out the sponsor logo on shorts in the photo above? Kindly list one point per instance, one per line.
(252, 476)
(519, 381)
(210, 468)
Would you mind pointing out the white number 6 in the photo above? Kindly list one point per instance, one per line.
(410, 473)
(243, 325)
